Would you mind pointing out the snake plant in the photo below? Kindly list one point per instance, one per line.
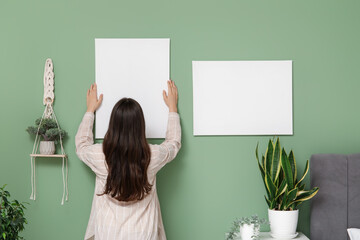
(279, 173)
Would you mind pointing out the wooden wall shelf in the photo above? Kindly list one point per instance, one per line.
(49, 156)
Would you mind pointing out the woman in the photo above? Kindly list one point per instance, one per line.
(125, 203)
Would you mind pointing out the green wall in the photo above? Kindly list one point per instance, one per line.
(213, 179)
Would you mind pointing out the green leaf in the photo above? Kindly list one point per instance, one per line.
(263, 162)
(281, 189)
(12, 217)
(256, 152)
(291, 197)
(272, 204)
(262, 171)
(306, 195)
(275, 164)
(257, 158)
(269, 156)
(287, 170)
(270, 186)
(301, 187)
(281, 174)
(263, 177)
(284, 201)
(293, 165)
(305, 172)
(292, 206)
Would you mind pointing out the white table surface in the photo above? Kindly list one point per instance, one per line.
(267, 236)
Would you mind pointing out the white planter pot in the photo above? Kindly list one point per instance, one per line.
(283, 224)
(47, 147)
(247, 231)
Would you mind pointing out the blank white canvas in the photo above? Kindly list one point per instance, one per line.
(242, 97)
(135, 68)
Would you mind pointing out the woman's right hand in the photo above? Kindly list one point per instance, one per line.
(92, 101)
(171, 98)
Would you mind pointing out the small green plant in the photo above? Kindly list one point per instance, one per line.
(12, 218)
(279, 173)
(255, 220)
(48, 130)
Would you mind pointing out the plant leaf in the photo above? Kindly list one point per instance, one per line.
(306, 195)
(287, 170)
(281, 189)
(305, 172)
(275, 164)
(284, 201)
(272, 204)
(301, 187)
(293, 165)
(269, 156)
(270, 186)
(291, 197)
(263, 177)
(256, 152)
(262, 170)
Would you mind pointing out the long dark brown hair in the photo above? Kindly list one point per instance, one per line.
(127, 152)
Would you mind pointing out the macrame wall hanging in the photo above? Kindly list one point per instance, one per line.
(49, 114)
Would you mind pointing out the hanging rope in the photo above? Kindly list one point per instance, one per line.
(64, 159)
(49, 113)
(35, 147)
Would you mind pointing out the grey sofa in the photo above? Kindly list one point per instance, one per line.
(336, 207)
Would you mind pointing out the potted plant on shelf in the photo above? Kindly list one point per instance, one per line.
(12, 218)
(247, 227)
(285, 192)
(49, 132)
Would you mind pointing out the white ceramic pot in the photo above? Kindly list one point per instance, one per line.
(47, 147)
(247, 231)
(283, 224)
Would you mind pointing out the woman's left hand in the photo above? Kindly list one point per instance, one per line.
(92, 102)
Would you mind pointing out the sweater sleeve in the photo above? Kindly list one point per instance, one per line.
(167, 150)
(88, 152)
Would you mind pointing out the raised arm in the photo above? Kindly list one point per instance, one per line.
(167, 151)
(88, 152)
(84, 137)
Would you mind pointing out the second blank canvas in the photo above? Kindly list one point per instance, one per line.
(242, 97)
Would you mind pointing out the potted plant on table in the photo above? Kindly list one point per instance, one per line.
(247, 227)
(49, 131)
(285, 192)
(12, 218)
